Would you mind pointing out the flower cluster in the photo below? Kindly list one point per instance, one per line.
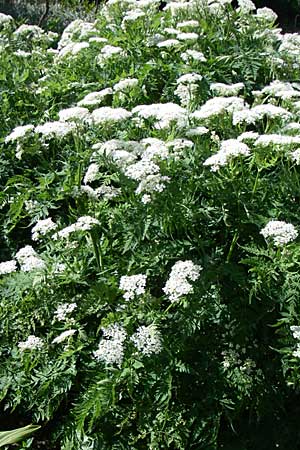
(42, 228)
(111, 346)
(84, 223)
(32, 343)
(229, 149)
(133, 285)
(29, 259)
(62, 312)
(147, 339)
(178, 284)
(281, 232)
(8, 267)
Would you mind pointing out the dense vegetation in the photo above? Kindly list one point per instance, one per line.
(149, 229)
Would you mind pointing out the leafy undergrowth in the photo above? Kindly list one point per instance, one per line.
(149, 229)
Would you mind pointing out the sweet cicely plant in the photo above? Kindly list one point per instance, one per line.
(149, 290)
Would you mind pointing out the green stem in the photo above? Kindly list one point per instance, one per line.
(234, 241)
(97, 252)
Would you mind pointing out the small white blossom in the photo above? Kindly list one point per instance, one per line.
(108, 52)
(19, 133)
(187, 36)
(194, 55)
(29, 259)
(111, 346)
(295, 156)
(106, 114)
(280, 231)
(230, 148)
(276, 139)
(32, 343)
(95, 98)
(147, 340)
(296, 331)
(76, 113)
(91, 173)
(63, 310)
(246, 6)
(178, 284)
(55, 129)
(168, 43)
(42, 228)
(8, 267)
(141, 169)
(218, 106)
(197, 131)
(133, 285)
(266, 14)
(226, 90)
(126, 84)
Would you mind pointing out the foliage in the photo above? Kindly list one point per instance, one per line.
(13, 436)
(149, 229)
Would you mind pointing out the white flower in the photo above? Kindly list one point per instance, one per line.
(111, 347)
(146, 198)
(126, 84)
(168, 43)
(193, 55)
(266, 14)
(106, 114)
(189, 78)
(5, 19)
(248, 136)
(296, 331)
(19, 133)
(32, 343)
(95, 98)
(178, 284)
(250, 116)
(72, 49)
(147, 340)
(230, 148)
(132, 16)
(8, 267)
(32, 31)
(108, 52)
(295, 156)
(276, 139)
(55, 129)
(198, 131)
(29, 259)
(281, 232)
(188, 24)
(84, 223)
(217, 106)
(187, 36)
(133, 285)
(63, 336)
(164, 113)
(226, 90)
(246, 6)
(73, 114)
(141, 169)
(64, 310)
(42, 228)
(91, 173)
(152, 183)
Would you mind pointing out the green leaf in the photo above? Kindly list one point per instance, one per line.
(13, 436)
